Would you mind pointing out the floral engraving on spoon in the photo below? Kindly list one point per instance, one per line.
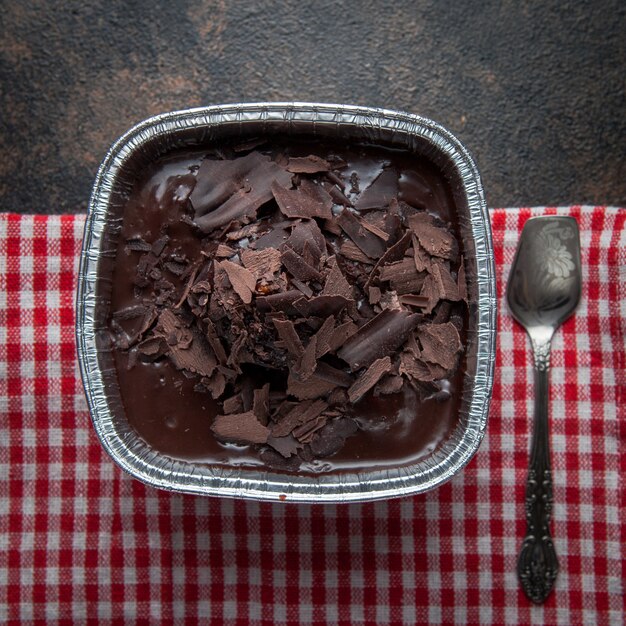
(546, 276)
(554, 257)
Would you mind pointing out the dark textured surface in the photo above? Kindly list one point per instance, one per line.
(537, 93)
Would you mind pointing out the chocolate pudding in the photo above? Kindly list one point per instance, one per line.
(298, 307)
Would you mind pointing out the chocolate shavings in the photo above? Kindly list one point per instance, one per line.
(371, 245)
(240, 428)
(295, 203)
(369, 378)
(381, 191)
(311, 164)
(302, 414)
(274, 310)
(233, 189)
(242, 280)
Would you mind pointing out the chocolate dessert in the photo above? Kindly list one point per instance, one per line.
(302, 308)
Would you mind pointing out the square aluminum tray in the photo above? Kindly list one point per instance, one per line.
(205, 126)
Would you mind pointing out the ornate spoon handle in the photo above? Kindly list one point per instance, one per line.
(537, 565)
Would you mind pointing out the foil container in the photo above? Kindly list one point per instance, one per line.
(204, 126)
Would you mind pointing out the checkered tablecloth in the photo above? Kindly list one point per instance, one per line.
(82, 542)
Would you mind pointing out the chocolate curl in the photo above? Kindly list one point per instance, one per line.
(233, 190)
(380, 337)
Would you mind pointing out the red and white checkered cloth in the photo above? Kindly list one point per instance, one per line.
(82, 542)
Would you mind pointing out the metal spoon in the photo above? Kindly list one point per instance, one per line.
(543, 291)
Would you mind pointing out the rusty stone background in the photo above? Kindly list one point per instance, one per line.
(535, 90)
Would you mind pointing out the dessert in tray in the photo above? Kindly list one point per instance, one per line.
(299, 307)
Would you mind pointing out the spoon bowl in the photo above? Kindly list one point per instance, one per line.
(544, 284)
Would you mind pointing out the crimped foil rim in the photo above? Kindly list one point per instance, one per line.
(152, 468)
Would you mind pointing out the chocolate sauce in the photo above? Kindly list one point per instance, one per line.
(160, 401)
